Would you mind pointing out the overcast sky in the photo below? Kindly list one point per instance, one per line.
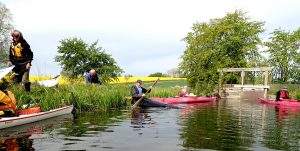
(143, 36)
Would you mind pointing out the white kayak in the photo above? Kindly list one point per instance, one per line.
(6, 122)
(5, 71)
(49, 83)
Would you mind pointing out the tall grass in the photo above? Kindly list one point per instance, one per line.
(88, 97)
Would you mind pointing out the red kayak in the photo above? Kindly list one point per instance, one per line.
(187, 99)
(284, 102)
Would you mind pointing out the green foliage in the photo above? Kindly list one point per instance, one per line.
(158, 74)
(231, 42)
(5, 30)
(283, 49)
(89, 98)
(297, 95)
(77, 57)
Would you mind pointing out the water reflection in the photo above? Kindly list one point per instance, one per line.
(19, 143)
(141, 118)
(233, 124)
(21, 137)
(216, 128)
(90, 124)
(282, 133)
(137, 118)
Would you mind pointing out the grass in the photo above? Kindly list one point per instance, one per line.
(89, 98)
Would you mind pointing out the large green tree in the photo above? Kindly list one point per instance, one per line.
(284, 56)
(6, 28)
(231, 42)
(77, 57)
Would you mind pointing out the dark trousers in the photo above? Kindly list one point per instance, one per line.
(150, 103)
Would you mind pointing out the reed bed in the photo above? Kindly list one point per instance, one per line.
(88, 97)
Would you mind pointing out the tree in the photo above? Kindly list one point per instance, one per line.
(157, 74)
(77, 57)
(6, 28)
(283, 49)
(231, 42)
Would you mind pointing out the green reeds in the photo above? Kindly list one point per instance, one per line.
(88, 97)
(164, 92)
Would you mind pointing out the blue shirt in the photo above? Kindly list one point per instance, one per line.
(140, 90)
(90, 79)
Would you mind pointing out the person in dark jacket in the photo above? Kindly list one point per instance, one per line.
(137, 91)
(21, 56)
(282, 94)
(92, 77)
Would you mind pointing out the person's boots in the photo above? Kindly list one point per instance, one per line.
(27, 86)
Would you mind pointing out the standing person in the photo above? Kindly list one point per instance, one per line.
(21, 56)
(282, 94)
(92, 77)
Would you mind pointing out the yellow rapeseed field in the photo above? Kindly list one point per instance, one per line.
(64, 80)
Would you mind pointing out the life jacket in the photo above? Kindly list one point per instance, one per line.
(16, 49)
(284, 95)
(7, 101)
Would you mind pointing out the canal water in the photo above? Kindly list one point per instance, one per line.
(229, 124)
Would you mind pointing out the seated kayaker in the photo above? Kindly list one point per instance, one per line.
(92, 77)
(184, 92)
(282, 94)
(137, 91)
(7, 100)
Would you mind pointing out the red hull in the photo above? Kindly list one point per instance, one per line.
(285, 102)
(188, 99)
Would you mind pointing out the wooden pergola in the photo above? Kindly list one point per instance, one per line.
(265, 71)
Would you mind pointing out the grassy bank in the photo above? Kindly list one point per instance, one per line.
(89, 98)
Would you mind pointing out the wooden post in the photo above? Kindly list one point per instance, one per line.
(266, 83)
(220, 83)
(242, 77)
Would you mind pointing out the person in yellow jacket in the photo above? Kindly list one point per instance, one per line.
(21, 56)
(7, 99)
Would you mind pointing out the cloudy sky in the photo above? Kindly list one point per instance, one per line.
(143, 36)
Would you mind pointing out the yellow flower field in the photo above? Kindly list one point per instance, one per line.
(64, 80)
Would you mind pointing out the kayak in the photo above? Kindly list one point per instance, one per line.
(49, 83)
(5, 71)
(32, 115)
(284, 102)
(187, 99)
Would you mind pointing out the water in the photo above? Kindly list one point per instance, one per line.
(232, 124)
